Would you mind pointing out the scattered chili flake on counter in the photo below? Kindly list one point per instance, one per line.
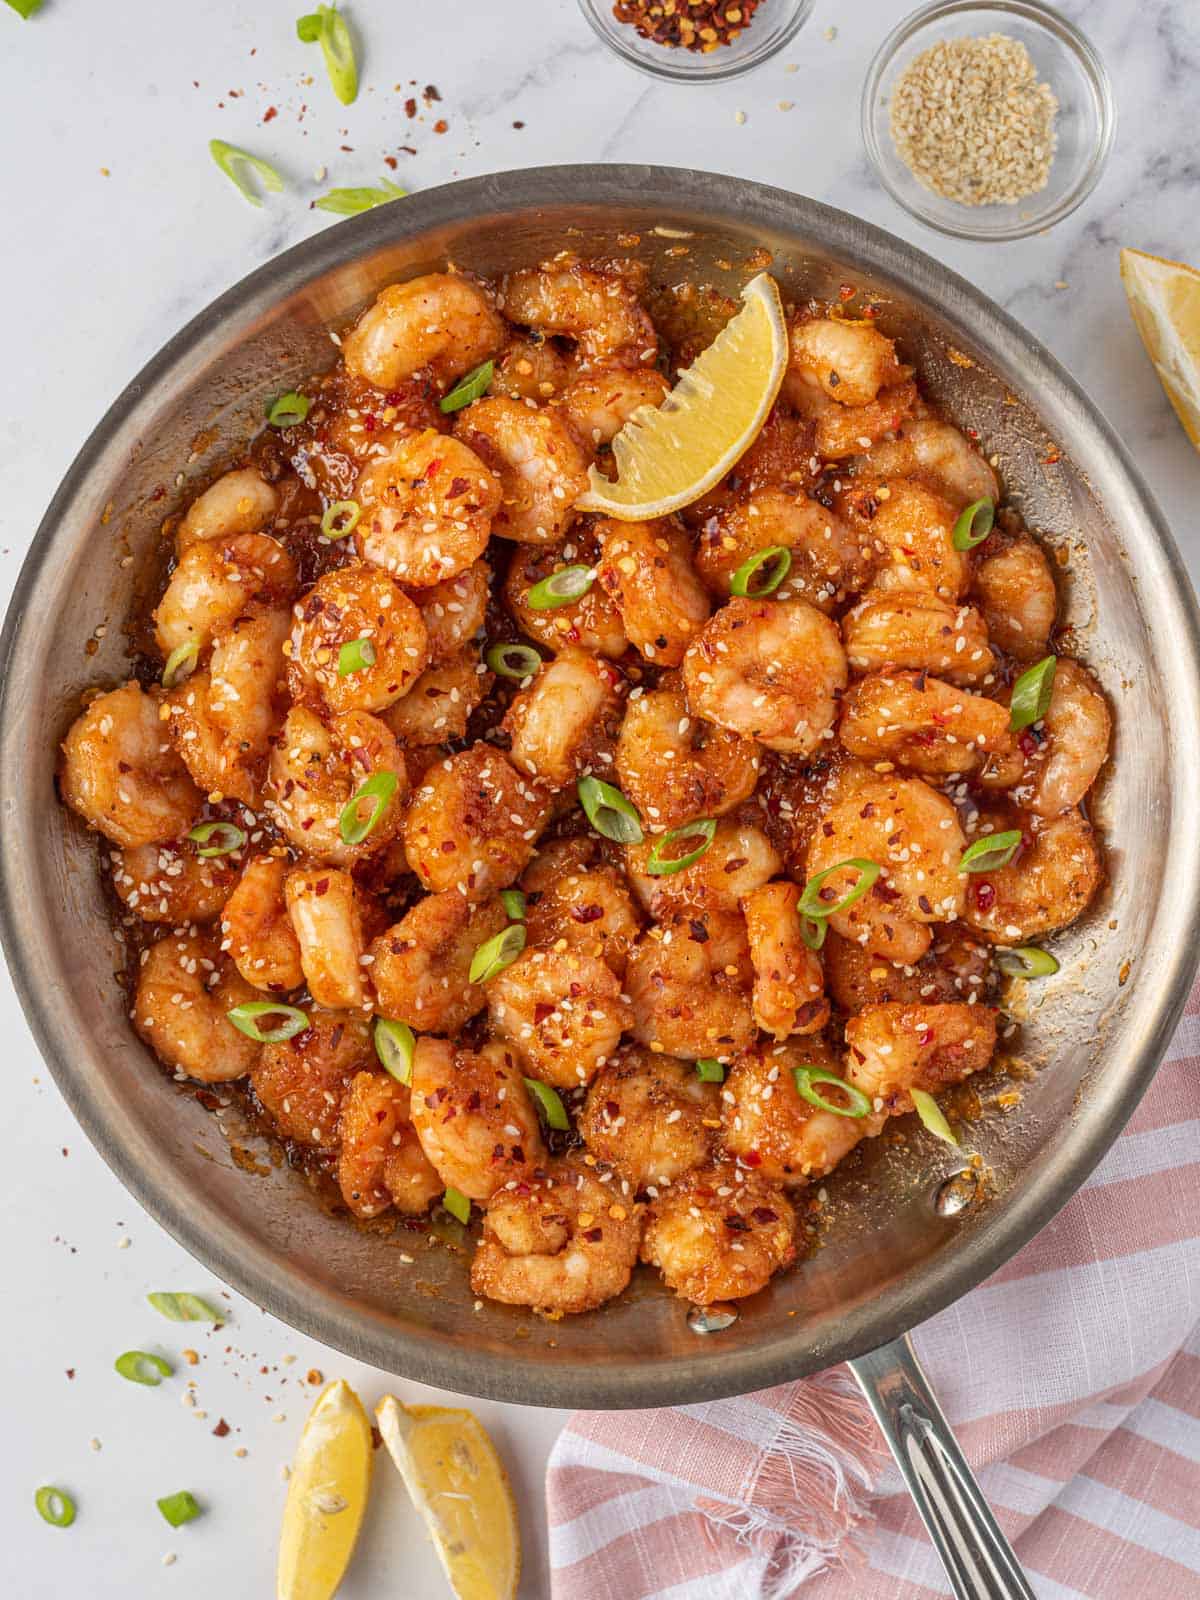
(701, 25)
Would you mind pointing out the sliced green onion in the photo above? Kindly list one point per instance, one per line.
(974, 524)
(139, 1366)
(470, 388)
(184, 1307)
(233, 163)
(245, 1020)
(806, 1079)
(609, 812)
(353, 202)
(179, 1508)
(560, 588)
(328, 29)
(54, 1506)
(228, 836)
(497, 953)
(378, 789)
(763, 573)
(549, 1104)
(288, 411)
(710, 1070)
(660, 865)
(515, 661)
(395, 1044)
(810, 903)
(457, 1204)
(813, 931)
(1026, 961)
(183, 656)
(355, 656)
(340, 518)
(25, 8)
(932, 1116)
(989, 854)
(1031, 694)
(513, 902)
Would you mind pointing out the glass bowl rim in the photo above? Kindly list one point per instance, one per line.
(708, 68)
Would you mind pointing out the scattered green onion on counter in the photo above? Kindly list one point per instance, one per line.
(184, 1307)
(327, 27)
(234, 162)
(139, 1366)
(179, 1508)
(353, 202)
(54, 1506)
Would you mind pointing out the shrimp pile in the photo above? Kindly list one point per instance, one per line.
(616, 879)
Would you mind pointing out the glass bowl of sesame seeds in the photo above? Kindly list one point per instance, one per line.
(988, 121)
(696, 41)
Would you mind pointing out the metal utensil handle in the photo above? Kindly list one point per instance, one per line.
(978, 1559)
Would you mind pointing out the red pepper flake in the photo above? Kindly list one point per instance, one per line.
(702, 25)
(390, 161)
(221, 1429)
(270, 114)
(518, 124)
(985, 896)
(751, 1158)
(586, 913)
(441, 126)
(410, 107)
(431, 92)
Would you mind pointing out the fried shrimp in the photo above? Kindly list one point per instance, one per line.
(562, 1011)
(598, 309)
(651, 1118)
(646, 568)
(217, 581)
(850, 361)
(327, 915)
(380, 1162)
(843, 431)
(421, 966)
(427, 509)
(770, 1127)
(319, 769)
(579, 905)
(914, 529)
(719, 1234)
(442, 323)
(565, 723)
(454, 611)
(1066, 749)
(789, 985)
(257, 931)
(1014, 587)
(591, 623)
(170, 883)
(829, 559)
(689, 978)
(674, 766)
(1048, 884)
(937, 455)
(920, 633)
(922, 723)
(599, 403)
(473, 1116)
(120, 774)
(246, 700)
(739, 860)
(240, 502)
(957, 966)
(440, 703)
(891, 1049)
(358, 639)
(473, 823)
(538, 461)
(302, 1081)
(185, 987)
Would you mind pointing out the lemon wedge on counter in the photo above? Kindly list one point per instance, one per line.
(1164, 297)
(327, 1496)
(458, 1484)
(670, 455)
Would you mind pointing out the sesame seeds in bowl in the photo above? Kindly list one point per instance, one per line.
(987, 121)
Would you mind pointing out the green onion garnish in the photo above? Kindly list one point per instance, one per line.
(179, 1508)
(560, 588)
(355, 656)
(974, 524)
(609, 812)
(932, 1116)
(288, 411)
(54, 1506)
(807, 1077)
(233, 163)
(497, 953)
(184, 656)
(810, 903)
(515, 661)
(549, 1104)
(184, 1307)
(378, 789)
(710, 1070)
(763, 573)
(395, 1044)
(353, 202)
(25, 8)
(1031, 694)
(245, 1019)
(469, 388)
(989, 854)
(513, 902)
(139, 1366)
(340, 518)
(813, 931)
(1026, 961)
(226, 836)
(326, 28)
(457, 1204)
(660, 865)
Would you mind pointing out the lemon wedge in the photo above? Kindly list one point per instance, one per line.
(458, 1484)
(1164, 297)
(327, 1495)
(669, 455)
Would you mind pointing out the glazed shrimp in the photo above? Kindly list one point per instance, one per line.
(214, 761)
(257, 931)
(599, 403)
(380, 1162)
(561, 1244)
(317, 768)
(532, 369)
(938, 455)
(119, 773)
(360, 610)
(891, 1049)
(921, 633)
(740, 859)
(913, 529)
(1047, 886)
(850, 360)
(539, 463)
(770, 670)
(789, 984)
(442, 323)
(674, 766)
(454, 611)
(561, 1011)
(768, 1125)
(843, 431)
(427, 509)
(598, 309)
(170, 883)
(473, 823)
(421, 966)
(439, 704)
(239, 502)
(719, 1234)
(327, 916)
(1015, 589)
(473, 1116)
(185, 987)
(651, 1118)
(1067, 748)
(830, 560)
(591, 623)
(920, 722)
(689, 981)
(565, 723)
(957, 966)
(646, 568)
(246, 681)
(582, 907)
(217, 581)
(302, 1081)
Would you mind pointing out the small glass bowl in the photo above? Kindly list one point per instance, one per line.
(1064, 59)
(771, 27)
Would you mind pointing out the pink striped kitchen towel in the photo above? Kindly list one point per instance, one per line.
(1072, 1378)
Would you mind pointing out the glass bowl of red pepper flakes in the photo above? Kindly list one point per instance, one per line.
(696, 41)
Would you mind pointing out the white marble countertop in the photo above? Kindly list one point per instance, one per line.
(117, 228)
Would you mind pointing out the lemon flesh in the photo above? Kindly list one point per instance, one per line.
(1164, 297)
(327, 1496)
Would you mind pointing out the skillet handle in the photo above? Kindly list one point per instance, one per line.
(979, 1561)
